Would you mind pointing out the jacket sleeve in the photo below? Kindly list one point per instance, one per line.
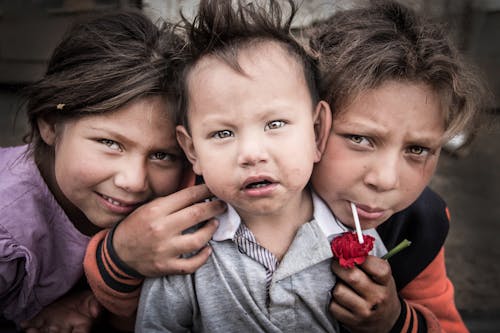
(427, 294)
(115, 285)
(432, 294)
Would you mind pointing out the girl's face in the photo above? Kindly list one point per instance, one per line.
(382, 151)
(109, 164)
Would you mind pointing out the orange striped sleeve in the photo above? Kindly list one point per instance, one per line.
(115, 288)
(432, 294)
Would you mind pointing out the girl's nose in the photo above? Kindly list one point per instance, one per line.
(132, 176)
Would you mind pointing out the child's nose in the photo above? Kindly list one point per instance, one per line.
(252, 151)
(382, 174)
(132, 176)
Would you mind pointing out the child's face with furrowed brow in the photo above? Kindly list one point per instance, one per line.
(382, 152)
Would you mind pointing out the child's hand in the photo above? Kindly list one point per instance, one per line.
(74, 313)
(150, 240)
(364, 298)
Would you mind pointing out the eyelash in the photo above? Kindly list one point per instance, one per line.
(110, 143)
(358, 140)
(423, 151)
(274, 124)
(166, 156)
(280, 123)
(222, 134)
(354, 138)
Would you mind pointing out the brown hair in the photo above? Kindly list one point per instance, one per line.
(100, 66)
(222, 28)
(362, 48)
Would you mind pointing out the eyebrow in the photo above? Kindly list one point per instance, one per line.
(124, 139)
(424, 138)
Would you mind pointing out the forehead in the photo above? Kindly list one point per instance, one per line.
(396, 105)
(250, 58)
(267, 72)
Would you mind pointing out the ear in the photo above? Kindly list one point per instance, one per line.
(322, 127)
(186, 142)
(47, 129)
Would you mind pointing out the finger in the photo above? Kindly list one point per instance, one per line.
(55, 329)
(378, 269)
(33, 330)
(191, 242)
(83, 328)
(90, 306)
(185, 197)
(192, 215)
(191, 264)
(340, 313)
(354, 277)
(348, 298)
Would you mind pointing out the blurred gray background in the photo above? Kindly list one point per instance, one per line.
(469, 181)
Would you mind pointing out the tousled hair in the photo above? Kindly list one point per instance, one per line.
(222, 28)
(100, 66)
(364, 47)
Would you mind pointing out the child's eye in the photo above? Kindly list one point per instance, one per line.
(110, 144)
(358, 139)
(274, 124)
(222, 134)
(163, 156)
(418, 150)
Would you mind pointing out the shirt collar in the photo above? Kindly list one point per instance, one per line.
(230, 221)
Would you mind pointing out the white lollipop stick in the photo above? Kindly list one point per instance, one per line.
(356, 222)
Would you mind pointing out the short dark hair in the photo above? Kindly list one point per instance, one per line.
(222, 28)
(364, 47)
(101, 65)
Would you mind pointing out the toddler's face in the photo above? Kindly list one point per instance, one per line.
(252, 135)
(109, 164)
(382, 152)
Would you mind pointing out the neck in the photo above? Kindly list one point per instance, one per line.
(277, 230)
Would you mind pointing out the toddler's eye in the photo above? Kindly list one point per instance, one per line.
(222, 134)
(110, 144)
(274, 124)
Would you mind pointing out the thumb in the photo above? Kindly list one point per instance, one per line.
(91, 307)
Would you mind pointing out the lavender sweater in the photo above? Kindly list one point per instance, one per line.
(41, 252)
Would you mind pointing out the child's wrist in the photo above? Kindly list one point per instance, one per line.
(115, 258)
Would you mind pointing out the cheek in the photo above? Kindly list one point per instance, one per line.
(166, 182)
(73, 175)
(332, 167)
(414, 180)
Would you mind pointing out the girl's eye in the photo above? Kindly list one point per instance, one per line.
(222, 134)
(110, 144)
(163, 156)
(274, 124)
(418, 150)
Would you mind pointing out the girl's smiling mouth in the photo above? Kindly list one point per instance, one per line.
(118, 206)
